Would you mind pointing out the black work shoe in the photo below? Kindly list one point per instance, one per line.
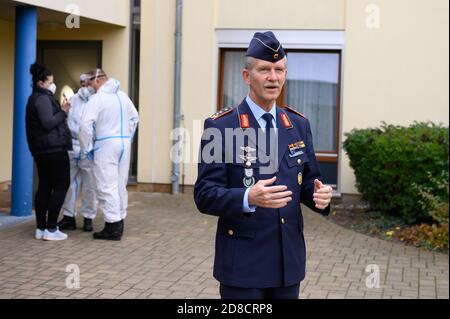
(87, 225)
(110, 232)
(122, 225)
(67, 223)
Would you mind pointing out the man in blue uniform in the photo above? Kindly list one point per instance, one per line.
(257, 165)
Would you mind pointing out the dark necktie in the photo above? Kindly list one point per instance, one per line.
(269, 130)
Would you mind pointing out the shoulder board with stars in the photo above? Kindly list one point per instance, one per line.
(294, 111)
(221, 113)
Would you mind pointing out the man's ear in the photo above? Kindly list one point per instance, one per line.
(246, 76)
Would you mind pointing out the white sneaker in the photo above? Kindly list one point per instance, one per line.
(56, 236)
(39, 234)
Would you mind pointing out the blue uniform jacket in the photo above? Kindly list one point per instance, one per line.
(265, 248)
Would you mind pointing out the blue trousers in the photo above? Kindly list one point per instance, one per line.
(228, 292)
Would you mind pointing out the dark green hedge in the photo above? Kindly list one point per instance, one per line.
(391, 161)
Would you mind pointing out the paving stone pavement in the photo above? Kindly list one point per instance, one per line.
(168, 251)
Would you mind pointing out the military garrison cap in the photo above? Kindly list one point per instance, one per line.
(265, 46)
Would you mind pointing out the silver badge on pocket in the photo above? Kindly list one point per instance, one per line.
(249, 181)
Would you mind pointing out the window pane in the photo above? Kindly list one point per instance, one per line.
(328, 172)
(312, 88)
(234, 87)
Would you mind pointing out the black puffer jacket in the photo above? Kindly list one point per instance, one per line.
(47, 130)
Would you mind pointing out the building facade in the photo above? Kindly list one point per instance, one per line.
(351, 64)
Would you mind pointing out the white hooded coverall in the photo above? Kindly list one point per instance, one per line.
(108, 128)
(81, 177)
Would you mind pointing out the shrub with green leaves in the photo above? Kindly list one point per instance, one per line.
(389, 162)
(433, 236)
(436, 204)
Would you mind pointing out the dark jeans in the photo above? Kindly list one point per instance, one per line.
(228, 292)
(54, 181)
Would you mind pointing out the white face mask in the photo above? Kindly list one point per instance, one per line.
(52, 88)
(87, 91)
(91, 90)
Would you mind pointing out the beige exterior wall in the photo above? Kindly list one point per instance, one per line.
(397, 73)
(281, 14)
(199, 73)
(115, 60)
(201, 18)
(7, 99)
(108, 11)
(156, 90)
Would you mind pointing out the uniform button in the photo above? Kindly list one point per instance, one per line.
(230, 232)
(299, 161)
(283, 221)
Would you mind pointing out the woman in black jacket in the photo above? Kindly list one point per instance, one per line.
(49, 140)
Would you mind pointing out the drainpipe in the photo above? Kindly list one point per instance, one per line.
(177, 95)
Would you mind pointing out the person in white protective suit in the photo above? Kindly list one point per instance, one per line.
(108, 128)
(81, 177)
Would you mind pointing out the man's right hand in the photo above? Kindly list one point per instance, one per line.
(263, 195)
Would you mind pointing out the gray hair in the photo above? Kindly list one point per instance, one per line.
(249, 62)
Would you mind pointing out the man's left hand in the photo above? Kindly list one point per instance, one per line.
(322, 194)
